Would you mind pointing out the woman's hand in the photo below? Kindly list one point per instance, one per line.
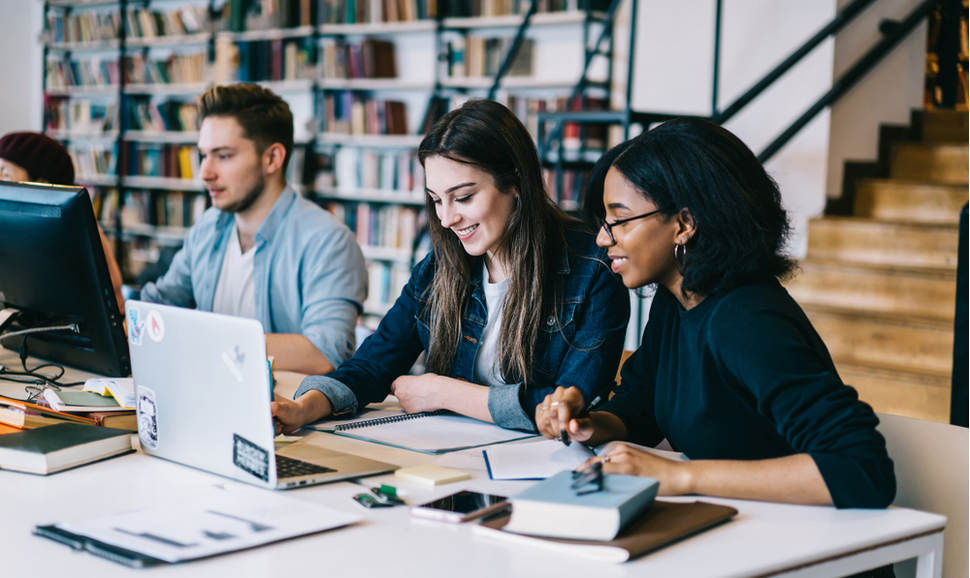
(623, 459)
(557, 412)
(418, 393)
(291, 415)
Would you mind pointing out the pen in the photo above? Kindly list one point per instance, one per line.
(583, 414)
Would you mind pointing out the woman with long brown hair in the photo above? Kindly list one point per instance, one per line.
(514, 300)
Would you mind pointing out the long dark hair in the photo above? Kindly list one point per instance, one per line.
(694, 164)
(488, 136)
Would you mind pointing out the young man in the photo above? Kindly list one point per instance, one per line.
(36, 158)
(263, 251)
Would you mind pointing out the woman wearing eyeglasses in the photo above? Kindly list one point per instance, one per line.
(730, 371)
(514, 300)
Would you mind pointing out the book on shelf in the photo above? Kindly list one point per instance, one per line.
(386, 281)
(350, 112)
(93, 158)
(389, 226)
(162, 208)
(163, 160)
(242, 15)
(570, 191)
(80, 115)
(145, 114)
(376, 11)
(263, 60)
(490, 8)
(91, 71)
(353, 168)
(66, 445)
(173, 69)
(476, 56)
(143, 22)
(82, 26)
(370, 58)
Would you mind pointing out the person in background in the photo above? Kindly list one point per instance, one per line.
(730, 371)
(514, 299)
(263, 251)
(36, 158)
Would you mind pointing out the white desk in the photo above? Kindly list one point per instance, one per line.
(763, 540)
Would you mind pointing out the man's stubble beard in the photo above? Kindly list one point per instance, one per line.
(247, 201)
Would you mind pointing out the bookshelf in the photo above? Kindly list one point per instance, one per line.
(363, 79)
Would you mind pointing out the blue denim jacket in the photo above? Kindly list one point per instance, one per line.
(308, 273)
(581, 348)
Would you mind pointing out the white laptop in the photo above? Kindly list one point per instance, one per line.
(203, 392)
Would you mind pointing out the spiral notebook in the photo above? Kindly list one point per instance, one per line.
(435, 432)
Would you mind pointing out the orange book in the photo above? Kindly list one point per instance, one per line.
(8, 429)
(26, 415)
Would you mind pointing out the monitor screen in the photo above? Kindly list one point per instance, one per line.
(53, 271)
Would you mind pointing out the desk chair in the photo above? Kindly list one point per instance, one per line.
(931, 474)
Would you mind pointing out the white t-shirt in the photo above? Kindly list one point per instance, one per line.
(234, 291)
(487, 370)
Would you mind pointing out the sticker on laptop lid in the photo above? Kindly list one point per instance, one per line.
(234, 360)
(136, 327)
(147, 417)
(155, 326)
(250, 458)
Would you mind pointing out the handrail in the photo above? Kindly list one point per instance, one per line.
(851, 77)
(838, 23)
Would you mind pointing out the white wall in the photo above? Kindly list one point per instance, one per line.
(885, 96)
(673, 73)
(21, 98)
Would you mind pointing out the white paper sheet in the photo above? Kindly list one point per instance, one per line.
(224, 522)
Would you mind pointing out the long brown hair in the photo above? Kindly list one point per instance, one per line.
(488, 136)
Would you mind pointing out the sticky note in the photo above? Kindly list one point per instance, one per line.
(432, 475)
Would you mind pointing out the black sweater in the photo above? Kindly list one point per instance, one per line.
(744, 376)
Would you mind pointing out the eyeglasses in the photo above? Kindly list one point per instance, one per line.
(601, 221)
(589, 481)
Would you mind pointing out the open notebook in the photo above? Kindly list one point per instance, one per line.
(434, 432)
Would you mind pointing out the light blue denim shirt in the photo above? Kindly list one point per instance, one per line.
(309, 275)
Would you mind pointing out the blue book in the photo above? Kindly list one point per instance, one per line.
(552, 508)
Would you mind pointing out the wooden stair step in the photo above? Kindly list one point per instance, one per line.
(907, 201)
(945, 126)
(934, 163)
(913, 293)
(915, 346)
(859, 240)
(917, 395)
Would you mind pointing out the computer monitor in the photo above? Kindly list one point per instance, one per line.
(53, 271)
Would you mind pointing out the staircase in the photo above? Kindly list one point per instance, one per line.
(880, 285)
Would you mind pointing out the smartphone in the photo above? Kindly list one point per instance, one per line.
(461, 507)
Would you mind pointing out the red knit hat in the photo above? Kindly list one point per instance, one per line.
(41, 156)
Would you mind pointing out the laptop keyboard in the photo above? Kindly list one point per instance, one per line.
(290, 468)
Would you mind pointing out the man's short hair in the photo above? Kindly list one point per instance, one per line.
(264, 116)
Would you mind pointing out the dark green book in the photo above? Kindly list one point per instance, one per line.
(53, 448)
